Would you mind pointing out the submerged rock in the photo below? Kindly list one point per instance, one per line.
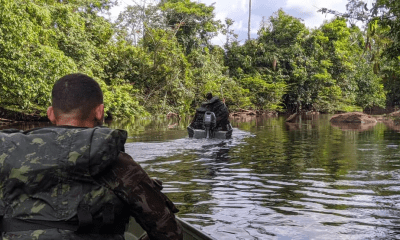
(353, 117)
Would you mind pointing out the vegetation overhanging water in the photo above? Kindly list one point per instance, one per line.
(159, 57)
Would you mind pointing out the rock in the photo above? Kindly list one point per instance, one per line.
(353, 117)
(394, 114)
(353, 121)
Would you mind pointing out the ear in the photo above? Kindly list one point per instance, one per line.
(50, 115)
(99, 112)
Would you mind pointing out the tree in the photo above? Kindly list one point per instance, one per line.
(229, 32)
(194, 22)
(136, 18)
(52, 39)
(381, 45)
(291, 67)
(248, 26)
(389, 18)
(281, 50)
(28, 60)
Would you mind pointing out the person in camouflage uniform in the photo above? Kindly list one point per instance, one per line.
(220, 110)
(74, 180)
(198, 120)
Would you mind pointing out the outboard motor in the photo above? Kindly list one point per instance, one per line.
(210, 121)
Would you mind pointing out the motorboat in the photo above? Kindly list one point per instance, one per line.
(208, 128)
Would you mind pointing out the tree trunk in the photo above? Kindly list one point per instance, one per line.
(248, 28)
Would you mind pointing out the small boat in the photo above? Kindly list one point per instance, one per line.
(135, 231)
(208, 130)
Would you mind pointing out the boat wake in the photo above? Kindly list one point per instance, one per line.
(145, 151)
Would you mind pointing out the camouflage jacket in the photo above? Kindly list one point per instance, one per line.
(220, 110)
(79, 178)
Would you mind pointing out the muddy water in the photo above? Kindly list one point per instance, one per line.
(274, 180)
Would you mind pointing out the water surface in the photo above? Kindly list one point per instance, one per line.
(275, 180)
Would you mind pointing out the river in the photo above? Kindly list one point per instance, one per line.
(275, 180)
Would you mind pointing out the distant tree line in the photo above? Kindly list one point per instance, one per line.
(157, 57)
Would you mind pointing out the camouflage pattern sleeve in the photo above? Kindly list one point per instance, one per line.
(148, 205)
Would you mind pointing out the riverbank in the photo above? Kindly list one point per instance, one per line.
(362, 121)
(388, 116)
(10, 117)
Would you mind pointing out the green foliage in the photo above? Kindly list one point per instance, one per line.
(120, 100)
(159, 58)
(265, 94)
(194, 22)
(166, 85)
(41, 41)
(323, 70)
(134, 20)
(389, 19)
(382, 49)
(29, 64)
(390, 73)
(207, 74)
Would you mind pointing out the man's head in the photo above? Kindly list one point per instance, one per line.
(209, 96)
(77, 100)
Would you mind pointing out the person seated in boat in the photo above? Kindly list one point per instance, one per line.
(198, 120)
(74, 180)
(220, 110)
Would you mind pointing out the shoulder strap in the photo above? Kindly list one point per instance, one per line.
(2, 209)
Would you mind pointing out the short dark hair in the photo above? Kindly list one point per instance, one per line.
(209, 96)
(76, 92)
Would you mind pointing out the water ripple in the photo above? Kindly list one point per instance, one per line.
(312, 183)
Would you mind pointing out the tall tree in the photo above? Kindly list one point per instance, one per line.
(248, 26)
(136, 18)
(194, 22)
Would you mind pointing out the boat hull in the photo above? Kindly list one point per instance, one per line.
(201, 133)
(135, 232)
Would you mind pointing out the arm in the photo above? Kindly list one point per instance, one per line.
(148, 205)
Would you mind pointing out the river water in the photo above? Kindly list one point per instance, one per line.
(274, 180)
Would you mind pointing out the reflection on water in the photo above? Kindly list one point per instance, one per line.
(25, 125)
(277, 180)
(148, 130)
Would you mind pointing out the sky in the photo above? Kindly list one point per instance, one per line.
(238, 10)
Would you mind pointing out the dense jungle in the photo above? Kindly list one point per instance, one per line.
(158, 58)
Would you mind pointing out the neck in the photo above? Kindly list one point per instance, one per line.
(76, 124)
(73, 120)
